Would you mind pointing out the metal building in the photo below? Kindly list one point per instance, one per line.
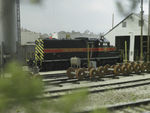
(129, 29)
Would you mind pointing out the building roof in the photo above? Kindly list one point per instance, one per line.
(145, 17)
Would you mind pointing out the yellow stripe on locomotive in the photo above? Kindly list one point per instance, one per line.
(39, 51)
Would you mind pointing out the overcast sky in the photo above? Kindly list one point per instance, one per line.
(67, 15)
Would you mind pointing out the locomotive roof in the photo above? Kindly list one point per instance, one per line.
(82, 38)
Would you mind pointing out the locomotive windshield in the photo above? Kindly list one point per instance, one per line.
(103, 42)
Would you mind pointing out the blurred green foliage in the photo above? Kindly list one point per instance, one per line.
(122, 6)
(129, 6)
(104, 110)
(20, 90)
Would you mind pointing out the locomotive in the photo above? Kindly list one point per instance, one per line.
(55, 54)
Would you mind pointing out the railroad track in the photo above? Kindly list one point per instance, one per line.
(59, 79)
(54, 75)
(140, 106)
(63, 80)
(55, 93)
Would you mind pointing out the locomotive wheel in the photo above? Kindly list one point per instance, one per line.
(126, 64)
(117, 70)
(133, 63)
(92, 73)
(137, 68)
(124, 69)
(119, 64)
(143, 67)
(101, 71)
(147, 67)
(70, 71)
(112, 66)
(80, 74)
(106, 68)
(90, 68)
(130, 68)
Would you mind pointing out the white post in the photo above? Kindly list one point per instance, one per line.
(148, 37)
(131, 50)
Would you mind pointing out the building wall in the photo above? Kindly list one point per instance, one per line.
(28, 36)
(132, 29)
(72, 35)
(27, 52)
(27, 44)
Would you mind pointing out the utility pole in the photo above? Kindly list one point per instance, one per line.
(8, 28)
(112, 20)
(148, 37)
(18, 30)
(141, 39)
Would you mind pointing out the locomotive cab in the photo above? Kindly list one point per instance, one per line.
(103, 42)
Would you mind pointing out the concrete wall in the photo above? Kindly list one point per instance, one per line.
(28, 36)
(27, 52)
(28, 44)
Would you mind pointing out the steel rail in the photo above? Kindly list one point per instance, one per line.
(52, 92)
(55, 81)
(53, 75)
(48, 82)
(120, 106)
(99, 85)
